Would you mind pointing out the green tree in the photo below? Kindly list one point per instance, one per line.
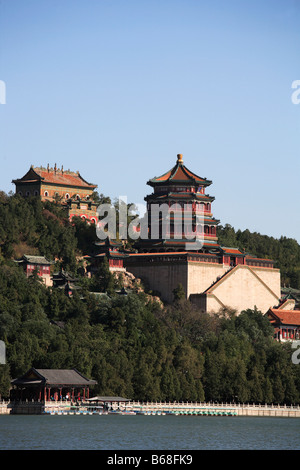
(4, 381)
(179, 293)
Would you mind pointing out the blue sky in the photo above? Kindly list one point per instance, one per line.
(116, 89)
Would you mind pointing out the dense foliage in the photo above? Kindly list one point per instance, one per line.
(284, 251)
(131, 344)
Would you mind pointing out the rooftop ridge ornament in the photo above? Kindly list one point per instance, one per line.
(179, 158)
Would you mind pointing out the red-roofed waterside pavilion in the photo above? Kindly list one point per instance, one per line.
(51, 385)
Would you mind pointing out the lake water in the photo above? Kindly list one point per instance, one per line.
(119, 432)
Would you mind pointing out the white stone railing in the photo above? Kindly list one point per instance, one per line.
(240, 409)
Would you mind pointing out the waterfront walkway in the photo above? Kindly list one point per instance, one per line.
(215, 409)
(154, 408)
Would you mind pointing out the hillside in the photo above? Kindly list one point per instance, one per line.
(132, 346)
(284, 251)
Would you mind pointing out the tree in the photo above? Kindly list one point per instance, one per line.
(103, 280)
(179, 293)
(4, 381)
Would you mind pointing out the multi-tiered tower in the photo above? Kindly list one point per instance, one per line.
(179, 212)
(212, 275)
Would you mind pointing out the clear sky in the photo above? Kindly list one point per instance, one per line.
(117, 88)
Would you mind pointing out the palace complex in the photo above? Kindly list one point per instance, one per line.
(213, 276)
(167, 253)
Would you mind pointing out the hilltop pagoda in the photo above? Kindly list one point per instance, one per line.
(184, 194)
(177, 249)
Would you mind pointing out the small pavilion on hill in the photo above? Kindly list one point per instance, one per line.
(110, 249)
(51, 384)
(286, 323)
(38, 264)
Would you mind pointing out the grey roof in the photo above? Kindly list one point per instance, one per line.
(64, 275)
(108, 399)
(36, 259)
(53, 377)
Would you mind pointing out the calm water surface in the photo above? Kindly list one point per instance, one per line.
(148, 433)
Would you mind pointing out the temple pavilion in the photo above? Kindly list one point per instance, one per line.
(185, 194)
(56, 184)
(38, 264)
(110, 249)
(51, 384)
(286, 323)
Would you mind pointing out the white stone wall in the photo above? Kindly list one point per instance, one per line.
(242, 289)
(163, 278)
(202, 275)
(271, 277)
